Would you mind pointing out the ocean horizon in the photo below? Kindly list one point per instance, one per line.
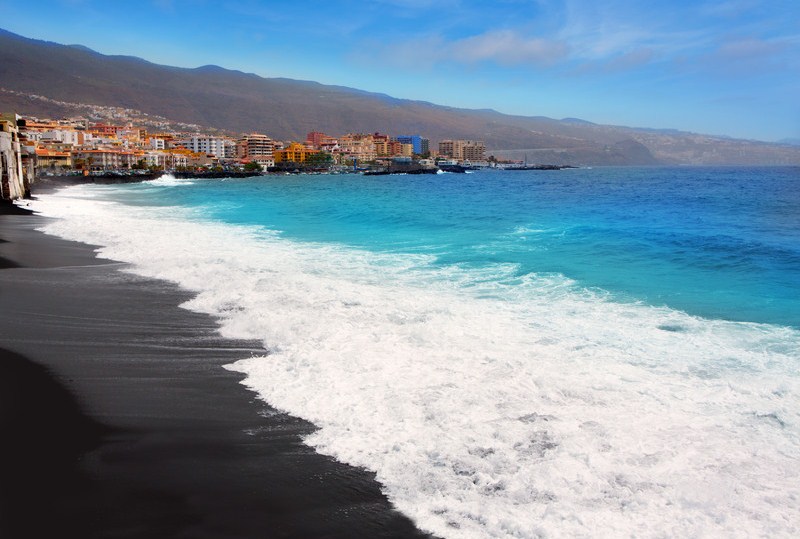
(602, 351)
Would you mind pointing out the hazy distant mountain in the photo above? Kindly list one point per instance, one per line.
(287, 109)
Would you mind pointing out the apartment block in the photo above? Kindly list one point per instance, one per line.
(219, 147)
(48, 157)
(381, 143)
(106, 159)
(64, 136)
(294, 153)
(463, 150)
(315, 139)
(358, 146)
(420, 144)
(256, 147)
(102, 130)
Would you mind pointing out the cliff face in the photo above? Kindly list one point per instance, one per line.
(288, 109)
(12, 178)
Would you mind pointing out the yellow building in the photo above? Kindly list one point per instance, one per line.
(381, 143)
(51, 158)
(295, 153)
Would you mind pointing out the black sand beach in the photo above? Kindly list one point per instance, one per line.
(118, 420)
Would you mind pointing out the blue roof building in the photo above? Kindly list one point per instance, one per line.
(421, 145)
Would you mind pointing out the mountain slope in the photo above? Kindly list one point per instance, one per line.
(288, 109)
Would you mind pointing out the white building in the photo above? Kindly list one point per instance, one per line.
(217, 146)
(65, 136)
(165, 160)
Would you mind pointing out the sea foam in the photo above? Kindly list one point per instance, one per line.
(489, 405)
(168, 180)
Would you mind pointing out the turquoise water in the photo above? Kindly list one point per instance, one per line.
(714, 242)
(608, 352)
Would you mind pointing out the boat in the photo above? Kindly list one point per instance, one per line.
(450, 165)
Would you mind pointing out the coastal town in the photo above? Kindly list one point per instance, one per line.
(35, 147)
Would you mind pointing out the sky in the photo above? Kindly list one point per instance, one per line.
(714, 67)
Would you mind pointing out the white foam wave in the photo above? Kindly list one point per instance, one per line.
(523, 230)
(168, 180)
(490, 405)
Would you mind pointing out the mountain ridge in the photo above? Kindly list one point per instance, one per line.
(287, 109)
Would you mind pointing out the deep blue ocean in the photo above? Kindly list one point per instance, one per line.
(608, 352)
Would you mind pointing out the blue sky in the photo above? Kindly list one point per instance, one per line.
(716, 67)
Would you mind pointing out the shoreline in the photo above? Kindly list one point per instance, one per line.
(46, 181)
(120, 420)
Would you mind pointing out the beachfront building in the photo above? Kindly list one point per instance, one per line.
(447, 148)
(156, 159)
(294, 153)
(357, 146)
(420, 144)
(463, 150)
(106, 159)
(381, 143)
(397, 148)
(201, 160)
(476, 151)
(53, 157)
(220, 147)
(167, 160)
(256, 148)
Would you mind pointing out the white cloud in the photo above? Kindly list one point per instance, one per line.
(508, 48)
(750, 49)
(728, 9)
(587, 37)
(167, 6)
(748, 56)
(622, 29)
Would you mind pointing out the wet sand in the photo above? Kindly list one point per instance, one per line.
(118, 419)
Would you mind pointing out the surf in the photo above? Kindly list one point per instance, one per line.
(488, 403)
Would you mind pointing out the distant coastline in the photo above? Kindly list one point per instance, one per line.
(54, 80)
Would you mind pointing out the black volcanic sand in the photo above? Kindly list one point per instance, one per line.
(119, 421)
